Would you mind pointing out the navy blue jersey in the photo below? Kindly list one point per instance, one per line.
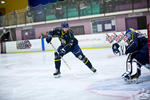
(67, 39)
(137, 42)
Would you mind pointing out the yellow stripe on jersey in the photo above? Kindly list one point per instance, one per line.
(62, 32)
(132, 36)
(69, 34)
(130, 45)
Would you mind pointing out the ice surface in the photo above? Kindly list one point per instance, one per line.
(28, 76)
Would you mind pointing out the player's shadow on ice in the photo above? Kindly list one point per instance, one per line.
(144, 78)
(118, 84)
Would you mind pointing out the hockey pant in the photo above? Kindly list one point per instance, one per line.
(142, 56)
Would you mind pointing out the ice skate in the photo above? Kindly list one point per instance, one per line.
(130, 79)
(57, 74)
(93, 70)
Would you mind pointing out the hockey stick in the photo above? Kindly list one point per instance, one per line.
(61, 58)
(1, 35)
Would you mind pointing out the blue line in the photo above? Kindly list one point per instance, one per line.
(42, 42)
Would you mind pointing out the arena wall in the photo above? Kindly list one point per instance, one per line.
(85, 41)
(43, 28)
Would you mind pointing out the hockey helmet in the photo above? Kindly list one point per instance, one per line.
(64, 25)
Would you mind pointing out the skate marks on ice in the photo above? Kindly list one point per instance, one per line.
(77, 76)
(117, 87)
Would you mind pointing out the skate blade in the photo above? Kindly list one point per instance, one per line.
(133, 81)
(57, 76)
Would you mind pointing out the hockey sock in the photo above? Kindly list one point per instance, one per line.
(57, 61)
(88, 63)
(85, 61)
(57, 64)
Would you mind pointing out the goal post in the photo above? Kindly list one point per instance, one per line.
(148, 34)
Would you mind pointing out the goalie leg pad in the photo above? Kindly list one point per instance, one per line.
(138, 73)
(127, 75)
(129, 62)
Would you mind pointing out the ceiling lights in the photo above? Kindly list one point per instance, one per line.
(2, 2)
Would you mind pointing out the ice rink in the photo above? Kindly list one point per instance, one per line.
(29, 76)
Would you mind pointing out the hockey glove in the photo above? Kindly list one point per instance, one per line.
(49, 38)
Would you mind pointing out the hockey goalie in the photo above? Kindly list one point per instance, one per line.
(137, 51)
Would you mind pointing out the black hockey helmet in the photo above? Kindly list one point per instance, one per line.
(64, 25)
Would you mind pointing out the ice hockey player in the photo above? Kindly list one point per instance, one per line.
(138, 49)
(68, 44)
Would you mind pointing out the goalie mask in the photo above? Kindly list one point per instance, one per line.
(129, 33)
